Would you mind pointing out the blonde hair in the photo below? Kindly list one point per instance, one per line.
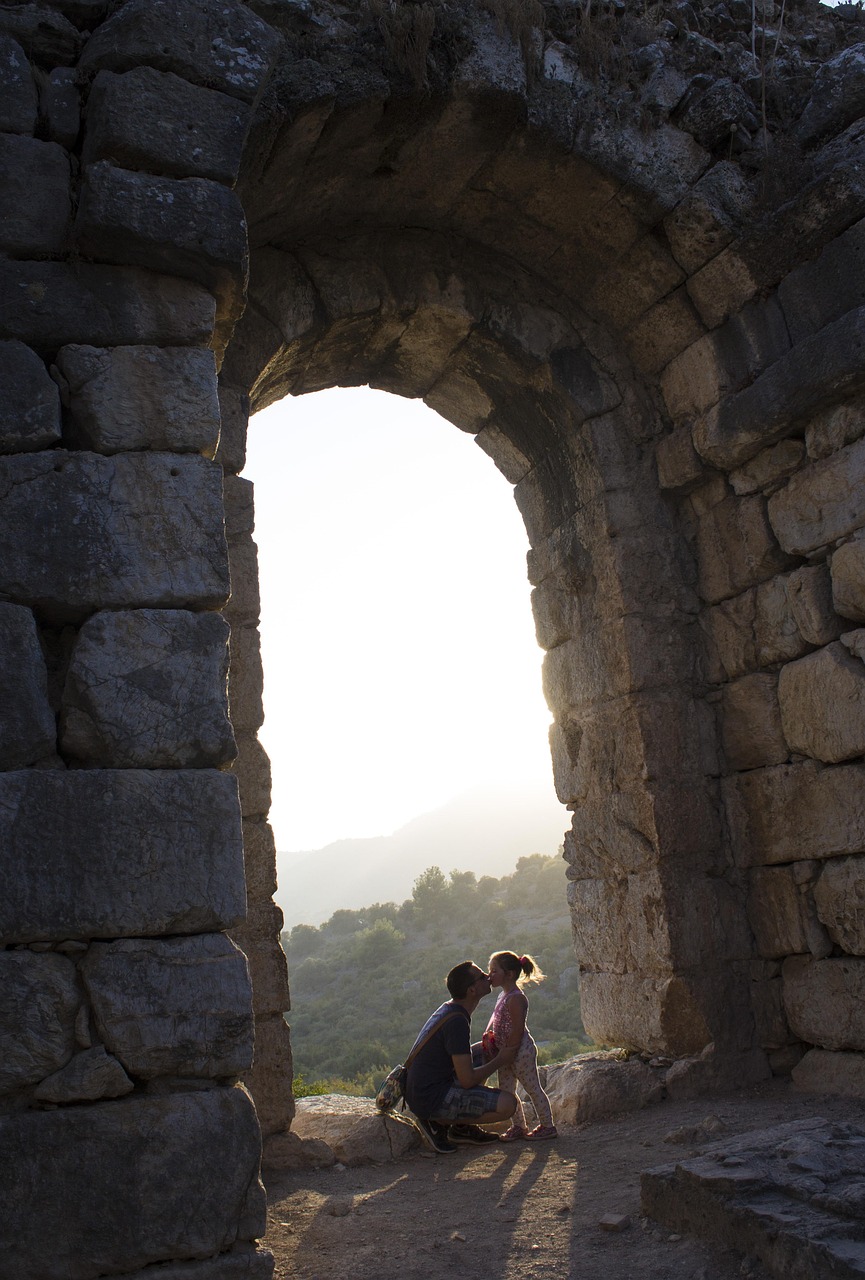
(527, 969)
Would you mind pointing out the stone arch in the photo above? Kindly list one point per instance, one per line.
(662, 358)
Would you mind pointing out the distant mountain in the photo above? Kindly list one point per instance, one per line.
(485, 830)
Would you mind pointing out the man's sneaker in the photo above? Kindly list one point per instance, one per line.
(435, 1135)
(471, 1133)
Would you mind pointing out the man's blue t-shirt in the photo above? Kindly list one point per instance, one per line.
(431, 1073)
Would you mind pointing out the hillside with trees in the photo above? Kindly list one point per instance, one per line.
(364, 981)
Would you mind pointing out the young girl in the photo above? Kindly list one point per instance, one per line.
(507, 1027)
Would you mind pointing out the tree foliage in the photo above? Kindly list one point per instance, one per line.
(363, 982)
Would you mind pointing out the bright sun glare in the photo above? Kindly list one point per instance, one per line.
(401, 666)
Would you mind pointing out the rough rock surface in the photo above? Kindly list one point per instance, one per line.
(124, 531)
(28, 731)
(73, 1152)
(593, 1086)
(146, 688)
(39, 1001)
(181, 869)
(354, 1129)
(87, 1077)
(173, 1007)
(141, 398)
(790, 1196)
(30, 408)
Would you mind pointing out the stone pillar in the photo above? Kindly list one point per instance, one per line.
(122, 841)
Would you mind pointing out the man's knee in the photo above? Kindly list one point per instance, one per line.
(507, 1104)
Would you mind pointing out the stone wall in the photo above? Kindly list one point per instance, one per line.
(593, 251)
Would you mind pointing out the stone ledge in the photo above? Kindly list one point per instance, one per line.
(781, 1194)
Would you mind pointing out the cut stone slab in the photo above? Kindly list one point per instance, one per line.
(824, 367)
(822, 703)
(94, 853)
(822, 502)
(29, 404)
(135, 529)
(751, 730)
(146, 688)
(820, 1071)
(825, 1000)
(28, 731)
(792, 812)
(50, 304)
(595, 1085)
(101, 1172)
(190, 227)
(736, 547)
(354, 1129)
(19, 100)
(790, 1196)
(809, 595)
(126, 398)
(782, 917)
(847, 568)
(87, 1077)
(156, 121)
(39, 1002)
(839, 895)
(221, 45)
(35, 196)
(48, 37)
(172, 1007)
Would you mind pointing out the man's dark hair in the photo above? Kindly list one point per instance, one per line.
(461, 977)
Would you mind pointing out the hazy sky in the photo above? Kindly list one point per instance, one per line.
(400, 661)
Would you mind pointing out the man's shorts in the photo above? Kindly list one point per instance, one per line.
(466, 1104)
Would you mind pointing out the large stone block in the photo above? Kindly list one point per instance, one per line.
(825, 1001)
(19, 100)
(782, 915)
(837, 97)
(30, 404)
(49, 304)
(839, 895)
(146, 688)
(775, 628)
(175, 1007)
(28, 731)
(126, 398)
(91, 853)
(156, 121)
(258, 939)
(48, 37)
(729, 630)
(822, 701)
(823, 1072)
(847, 568)
(269, 1081)
(824, 367)
(259, 854)
(824, 289)
(39, 1001)
(809, 593)
(35, 196)
(751, 731)
(706, 219)
(234, 411)
(189, 227)
(87, 1077)
(833, 428)
(246, 679)
(736, 547)
(658, 1015)
(135, 529)
(221, 45)
(60, 107)
(252, 770)
(116, 1182)
(821, 503)
(793, 812)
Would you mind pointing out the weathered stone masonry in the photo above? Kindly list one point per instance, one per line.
(657, 335)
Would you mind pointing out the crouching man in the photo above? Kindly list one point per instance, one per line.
(444, 1086)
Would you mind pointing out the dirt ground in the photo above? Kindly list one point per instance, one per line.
(519, 1211)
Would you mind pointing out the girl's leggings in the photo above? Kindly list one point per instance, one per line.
(524, 1069)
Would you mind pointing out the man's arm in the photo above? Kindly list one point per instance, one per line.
(468, 1076)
